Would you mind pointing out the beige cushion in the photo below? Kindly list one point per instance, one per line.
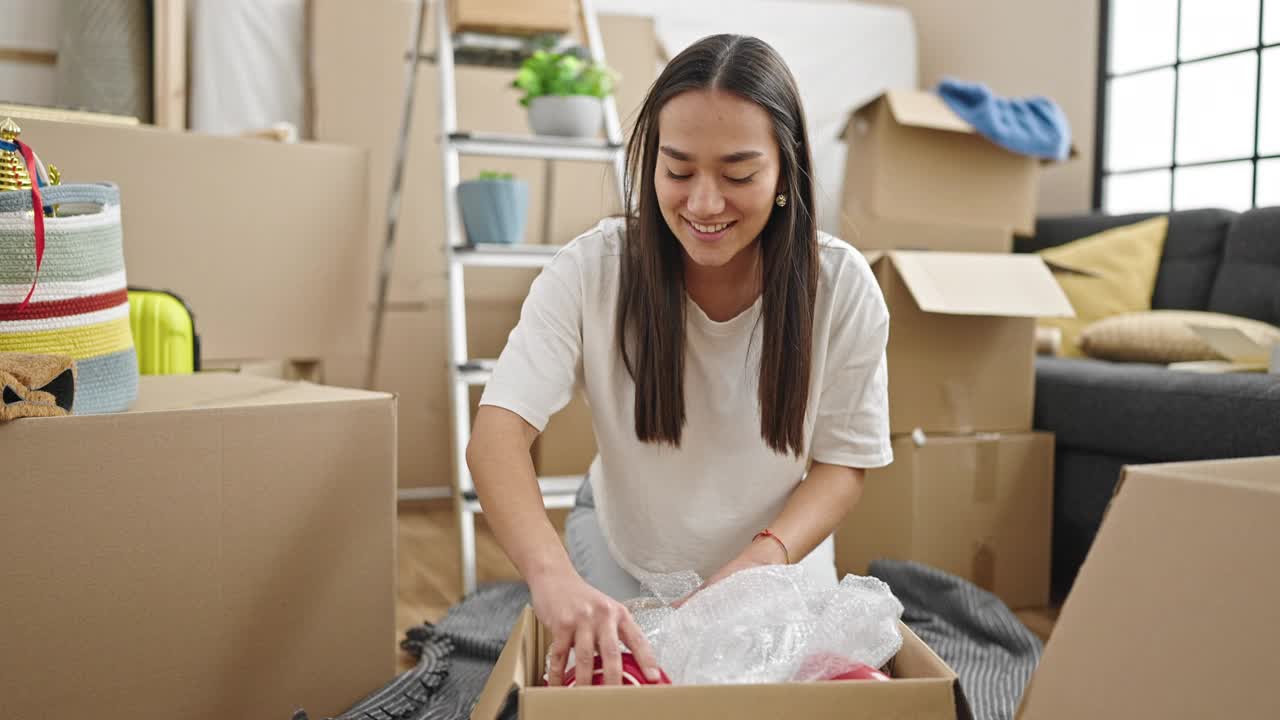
(1165, 336)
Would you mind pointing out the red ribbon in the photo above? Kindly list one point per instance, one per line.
(38, 206)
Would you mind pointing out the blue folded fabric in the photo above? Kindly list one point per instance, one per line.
(1033, 126)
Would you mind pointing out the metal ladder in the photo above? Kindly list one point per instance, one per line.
(464, 371)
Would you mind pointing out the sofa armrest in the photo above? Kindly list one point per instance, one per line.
(1148, 411)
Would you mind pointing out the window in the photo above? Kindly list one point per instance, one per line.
(1188, 105)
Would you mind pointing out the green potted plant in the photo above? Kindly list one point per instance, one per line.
(494, 206)
(563, 91)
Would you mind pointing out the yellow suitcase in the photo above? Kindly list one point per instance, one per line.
(164, 333)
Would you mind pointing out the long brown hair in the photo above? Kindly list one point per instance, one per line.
(651, 303)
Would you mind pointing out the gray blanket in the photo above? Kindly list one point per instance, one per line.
(971, 630)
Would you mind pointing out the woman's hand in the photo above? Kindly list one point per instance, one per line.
(581, 617)
(762, 551)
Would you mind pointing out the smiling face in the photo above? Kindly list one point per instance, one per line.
(716, 176)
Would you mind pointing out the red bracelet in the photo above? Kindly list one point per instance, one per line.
(769, 533)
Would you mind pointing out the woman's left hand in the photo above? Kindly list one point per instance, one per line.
(759, 553)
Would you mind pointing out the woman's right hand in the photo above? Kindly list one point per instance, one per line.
(585, 619)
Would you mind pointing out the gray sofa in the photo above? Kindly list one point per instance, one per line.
(1108, 414)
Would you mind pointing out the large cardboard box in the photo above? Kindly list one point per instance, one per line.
(924, 689)
(267, 242)
(1174, 612)
(920, 177)
(978, 506)
(224, 550)
(962, 338)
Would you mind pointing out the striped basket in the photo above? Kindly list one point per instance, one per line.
(80, 304)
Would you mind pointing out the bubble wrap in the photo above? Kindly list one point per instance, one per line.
(767, 624)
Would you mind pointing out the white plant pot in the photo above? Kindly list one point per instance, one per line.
(566, 115)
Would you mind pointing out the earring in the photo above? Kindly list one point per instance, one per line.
(781, 201)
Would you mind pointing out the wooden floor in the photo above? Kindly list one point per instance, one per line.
(427, 553)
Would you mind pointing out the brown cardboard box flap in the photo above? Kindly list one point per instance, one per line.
(925, 688)
(987, 284)
(925, 109)
(1174, 612)
(916, 108)
(922, 109)
(514, 670)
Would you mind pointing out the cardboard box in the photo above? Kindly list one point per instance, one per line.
(265, 241)
(925, 689)
(512, 17)
(224, 550)
(918, 176)
(978, 506)
(1174, 613)
(962, 338)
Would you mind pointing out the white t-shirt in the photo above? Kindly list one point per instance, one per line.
(696, 507)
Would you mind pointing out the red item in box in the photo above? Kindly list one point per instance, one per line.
(632, 674)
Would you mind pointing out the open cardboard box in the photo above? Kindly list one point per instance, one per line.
(919, 177)
(962, 337)
(924, 688)
(1174, 613)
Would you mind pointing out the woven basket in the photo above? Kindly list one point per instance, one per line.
(80, 305)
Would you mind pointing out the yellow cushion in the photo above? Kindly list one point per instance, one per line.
(1165, 336)
(1104, 275)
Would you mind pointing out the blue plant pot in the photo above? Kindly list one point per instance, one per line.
(494, 211)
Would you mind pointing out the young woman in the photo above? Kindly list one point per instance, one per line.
(733, 358)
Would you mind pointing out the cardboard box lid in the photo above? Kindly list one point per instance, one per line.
(929, 690)
(988, 284)
(1233, 344)
(167, 393)
(922, 109)
(1174, 613)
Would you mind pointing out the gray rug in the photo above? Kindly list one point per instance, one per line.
(971, 630)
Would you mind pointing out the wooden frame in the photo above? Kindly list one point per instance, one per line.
(169, 73)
